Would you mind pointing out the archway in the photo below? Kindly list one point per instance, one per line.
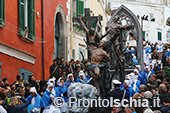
(127, 17)
(60, 33)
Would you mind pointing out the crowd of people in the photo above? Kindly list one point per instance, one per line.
(152, 82)
(35, 96)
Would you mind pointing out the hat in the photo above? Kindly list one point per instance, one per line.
(127, 83)
(117, 82)
(33, 89)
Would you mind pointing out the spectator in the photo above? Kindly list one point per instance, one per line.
(27, 89)
(20, 81)
(163, 92)
(54, 69)
(5, 81)
(166, 103)
(15, 105)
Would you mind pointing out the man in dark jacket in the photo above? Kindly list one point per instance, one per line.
(27, 89)
(163, 92)
(166, 108)
(117, 93)
(54, 69)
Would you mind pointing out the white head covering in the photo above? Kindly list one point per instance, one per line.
(33, 89)
(147, 67)
(81, 73)
(69, 76)
(152, 64)
(136, 71)
(49, 85)
(139, 67)
(129, 77)
(51, 80)
(116, 82)
(58, 82)
(127, 83)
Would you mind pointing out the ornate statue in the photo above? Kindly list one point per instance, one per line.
(113, 43)
(97, 56)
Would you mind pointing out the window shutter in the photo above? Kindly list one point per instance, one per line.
(21, 10)
(31, 19)
(159, 36)
(2, 13)
(80, 8)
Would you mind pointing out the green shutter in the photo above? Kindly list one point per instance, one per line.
(2, 13)
(73, 53)
(79, 8)
(159, 36)
(25, 73)
(21, 10)
(31, 19)
(143, 33)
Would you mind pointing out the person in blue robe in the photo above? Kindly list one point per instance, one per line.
(63, 94)
(168, 53)
(82, 78)
(152, 68)
(62, 88)
(132, 51)
(35, 101)
(134, 60)
(48, 98)
(128, 88)
(70, 80)
(141, 73)
(149, 49)
(148, 73)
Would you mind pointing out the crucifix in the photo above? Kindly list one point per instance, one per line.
(88, 20)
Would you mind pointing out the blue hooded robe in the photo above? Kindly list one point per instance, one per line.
(63, 89)
(46, 98)
(38, 101)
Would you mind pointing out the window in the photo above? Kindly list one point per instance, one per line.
(27, 18)
(2, 13)
(73, 53)
(143, 34)
(25, 73)
(159, 36)
(0, 70)
(79, 8)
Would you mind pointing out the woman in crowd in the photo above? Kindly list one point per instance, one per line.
(17, 104)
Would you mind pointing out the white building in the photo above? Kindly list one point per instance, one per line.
(154, 31)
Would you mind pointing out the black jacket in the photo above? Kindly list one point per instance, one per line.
(18, 108)
(118, 94)
(56, 72)
(165, 109)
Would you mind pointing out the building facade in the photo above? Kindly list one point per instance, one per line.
(155, 26)
(23, 35)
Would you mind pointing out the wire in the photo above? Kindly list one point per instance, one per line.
(16, 30)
